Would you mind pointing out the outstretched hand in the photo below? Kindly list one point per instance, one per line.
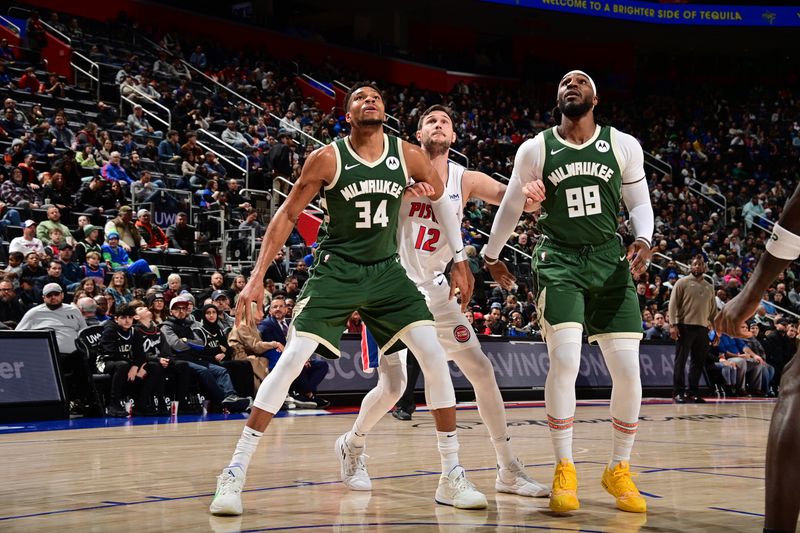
(500, 273)
(461, 278)
(638, 256)
(250, 304)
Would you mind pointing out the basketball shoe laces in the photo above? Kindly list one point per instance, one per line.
(228, 484)
(356, 462)
(624, 483)
(462, 484)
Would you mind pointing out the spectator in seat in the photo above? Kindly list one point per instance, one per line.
(213, 166)
(60, 132)
(659, 331)
(181, 234)
(173, 287)
(157, 306)
(92, 268)
(217, 284)
(17, 152)
(139, 125)
(87, 287)
(57, 193)
(95, 196)
(221, 299)
(103, 311)
(53, 275)
(178, 372)
(237, 286)
(144, 189)
(123, 225)
(14, 268)
(251, 222)
(191, 146)
(67, 322)
(88, 244)
(117, 259)
(151, 234)
(234, 137)
(53, 221)
(179, 340)
(169, 149)
(113, 171)
(19, 193)
(71, 271)
(33, 268)
(748, 364)
(121, 354)
(28, 82)
(755, 345)
(215, 339)
(274, 328)
(118, 288)
(128, 146)
(11, 310)
(11, 125)
(779, 347)
(28, 242)
(277, 269)
(88, 308)
(88, 136)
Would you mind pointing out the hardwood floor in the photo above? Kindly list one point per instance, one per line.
(701, 468)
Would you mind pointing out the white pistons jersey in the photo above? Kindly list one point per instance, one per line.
(422, 245)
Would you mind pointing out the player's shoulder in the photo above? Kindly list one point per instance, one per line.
(623, 139)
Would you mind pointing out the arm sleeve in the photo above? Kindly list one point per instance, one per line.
(637, 199)
(451, 224)
(527, 167)
(635, 193)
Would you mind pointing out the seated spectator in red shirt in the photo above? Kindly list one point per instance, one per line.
(29, 82)
(152, 234)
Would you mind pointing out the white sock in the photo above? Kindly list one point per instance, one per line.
(561, 436)
(448, 449)
(564, 351)
(355, 439)
(624, 435)
(502, 448)
(245, 449)
(622, 360)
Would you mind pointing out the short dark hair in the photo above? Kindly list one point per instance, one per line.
(125, 310)
(436, 107)
(356, 86)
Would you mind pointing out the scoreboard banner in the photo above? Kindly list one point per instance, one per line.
(699, 15)
(517, 365)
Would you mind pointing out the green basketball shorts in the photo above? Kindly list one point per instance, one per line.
(388, 302)
(590, 286)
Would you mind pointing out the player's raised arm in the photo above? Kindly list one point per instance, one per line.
(783, 247)
(507, 218)
(481, 186)
(421, 170)
(318, 170)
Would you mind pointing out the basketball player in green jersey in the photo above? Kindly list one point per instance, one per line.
(583, 273)
(783, 445)
(361, 180)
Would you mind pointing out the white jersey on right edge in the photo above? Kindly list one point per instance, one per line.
(423, 249)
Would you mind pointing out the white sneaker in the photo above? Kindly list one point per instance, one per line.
(228, 498)
(288, 403)
(514, 480)
(352, 466)
(456, 490)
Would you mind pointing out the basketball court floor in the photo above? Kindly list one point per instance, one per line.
(701, 468)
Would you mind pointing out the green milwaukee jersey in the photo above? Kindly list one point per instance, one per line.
(362, 203)
(583, 187)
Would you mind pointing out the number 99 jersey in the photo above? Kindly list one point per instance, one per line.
(583, 183)
(423, 248)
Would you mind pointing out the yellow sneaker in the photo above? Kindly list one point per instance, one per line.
(564, 497)
(619, 484)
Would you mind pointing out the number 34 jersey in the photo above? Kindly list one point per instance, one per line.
(362, 203)
(423, 248)
(582, 182)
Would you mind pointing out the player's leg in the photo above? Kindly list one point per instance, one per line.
(614, 322)
(511, 476)
(454, 488)
(561, 306)
(350, 446)
(269, 399)
(783, 447)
